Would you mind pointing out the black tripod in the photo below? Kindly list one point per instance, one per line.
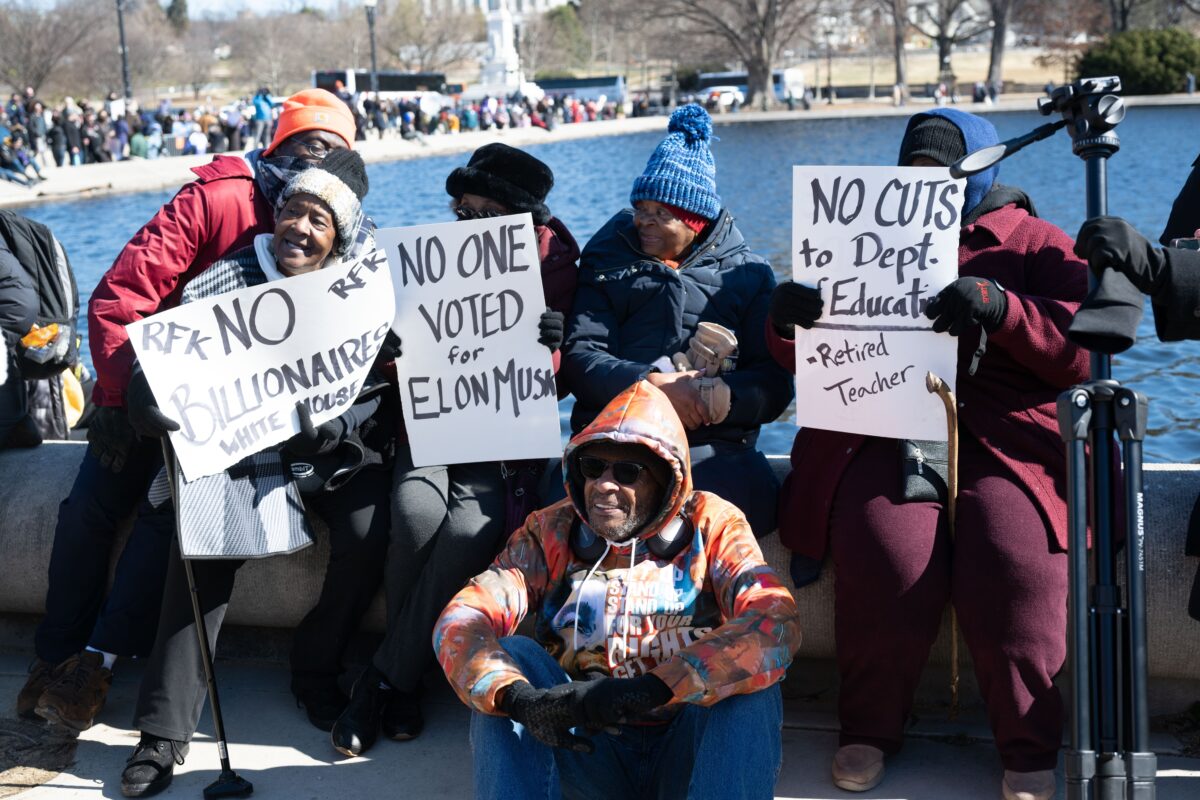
(1109, 756)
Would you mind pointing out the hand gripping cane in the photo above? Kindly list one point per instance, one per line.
(937, 386)
(228, 783)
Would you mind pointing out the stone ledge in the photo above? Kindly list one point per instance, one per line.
(276, 592)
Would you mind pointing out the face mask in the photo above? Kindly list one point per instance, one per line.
(273, 174)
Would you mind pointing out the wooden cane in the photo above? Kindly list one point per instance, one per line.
(937, 386)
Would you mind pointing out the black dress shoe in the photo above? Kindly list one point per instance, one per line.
(402, 718)
(150, 769)
(323, 705)
(357, 728)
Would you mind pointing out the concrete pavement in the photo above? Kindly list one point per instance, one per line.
(273, 746)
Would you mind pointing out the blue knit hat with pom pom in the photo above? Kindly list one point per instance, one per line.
(681, 171)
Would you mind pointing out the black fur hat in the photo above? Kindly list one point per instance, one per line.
(508, 176)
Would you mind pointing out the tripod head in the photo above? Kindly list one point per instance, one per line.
(1091, 111)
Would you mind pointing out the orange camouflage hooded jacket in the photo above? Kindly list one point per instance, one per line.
(711, 622)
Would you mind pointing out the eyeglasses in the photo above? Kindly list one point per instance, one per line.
(625, 473)
(317, 149)
(465, 213)
(659, 215)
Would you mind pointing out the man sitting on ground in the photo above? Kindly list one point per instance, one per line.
(661, 632)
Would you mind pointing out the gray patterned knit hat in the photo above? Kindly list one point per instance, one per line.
(340, 182)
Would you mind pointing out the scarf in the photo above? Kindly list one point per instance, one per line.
(272, 175)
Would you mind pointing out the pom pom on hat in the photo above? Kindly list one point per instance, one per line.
(340, 182)
(681, 171)
(693, 122)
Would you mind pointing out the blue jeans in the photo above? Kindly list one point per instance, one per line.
(78, 613)
(729, 751)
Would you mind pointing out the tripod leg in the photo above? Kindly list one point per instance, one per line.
(1074, 421)
(1141, 765)
(228, 783)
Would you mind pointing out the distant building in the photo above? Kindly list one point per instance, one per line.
(519, 8)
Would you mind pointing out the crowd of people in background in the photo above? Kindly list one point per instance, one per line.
(36, 136)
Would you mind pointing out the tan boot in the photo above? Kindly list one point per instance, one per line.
(1039, 785)
(41, 675)
(77, 695)
(857, 767)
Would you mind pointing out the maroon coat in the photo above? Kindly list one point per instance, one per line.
(221, 211)
(1008, 405)
(559, 254)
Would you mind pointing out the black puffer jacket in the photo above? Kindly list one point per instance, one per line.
(631, 309)
(18, 310)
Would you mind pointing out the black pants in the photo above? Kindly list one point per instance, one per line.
(447, 524)
(173, 688)
(77, 613)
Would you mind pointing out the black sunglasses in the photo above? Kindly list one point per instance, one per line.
(465, 213)
(625, 473)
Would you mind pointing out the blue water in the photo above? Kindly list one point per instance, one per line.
(593, 178)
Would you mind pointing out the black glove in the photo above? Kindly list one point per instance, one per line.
(110, 436)
(1112, 243)
(794, 304)
(146, 418)
(389, 350)
(594, 705)
(313, 440)
(967, 302)
(548, 719)
(550, 329)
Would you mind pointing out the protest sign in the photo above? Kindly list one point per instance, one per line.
(475, 384)
(880, 243)
(230, 369)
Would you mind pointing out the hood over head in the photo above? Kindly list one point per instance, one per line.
(976, 132)
(640, 415)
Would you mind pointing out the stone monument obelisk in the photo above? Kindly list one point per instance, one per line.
(501, 70)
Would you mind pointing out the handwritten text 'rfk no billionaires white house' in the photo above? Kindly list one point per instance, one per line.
(231, 369)
(879, 243)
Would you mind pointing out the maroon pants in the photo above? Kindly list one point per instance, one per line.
(896, 568)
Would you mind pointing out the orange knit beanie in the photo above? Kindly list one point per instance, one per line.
(313, 110)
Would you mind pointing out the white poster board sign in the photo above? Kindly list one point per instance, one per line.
(880, 243)
(475, 384)
(230, 369)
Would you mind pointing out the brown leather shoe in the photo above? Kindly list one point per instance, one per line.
(78, 693)
(857, 767)
(41, 675)
(1039, 785)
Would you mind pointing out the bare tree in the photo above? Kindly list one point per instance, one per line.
(947, 23)
(755, 31)
(94, 65)
(200, 42)
(898, 11)
(35, 40)
(1058, 25)
(270, 51)
(430, 43)
(1001, 14)
(1119, 11)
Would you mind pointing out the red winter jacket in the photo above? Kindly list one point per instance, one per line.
(220, 212)
(1008, 405)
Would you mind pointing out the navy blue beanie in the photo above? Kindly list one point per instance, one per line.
(976, 132)
(681, 171)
